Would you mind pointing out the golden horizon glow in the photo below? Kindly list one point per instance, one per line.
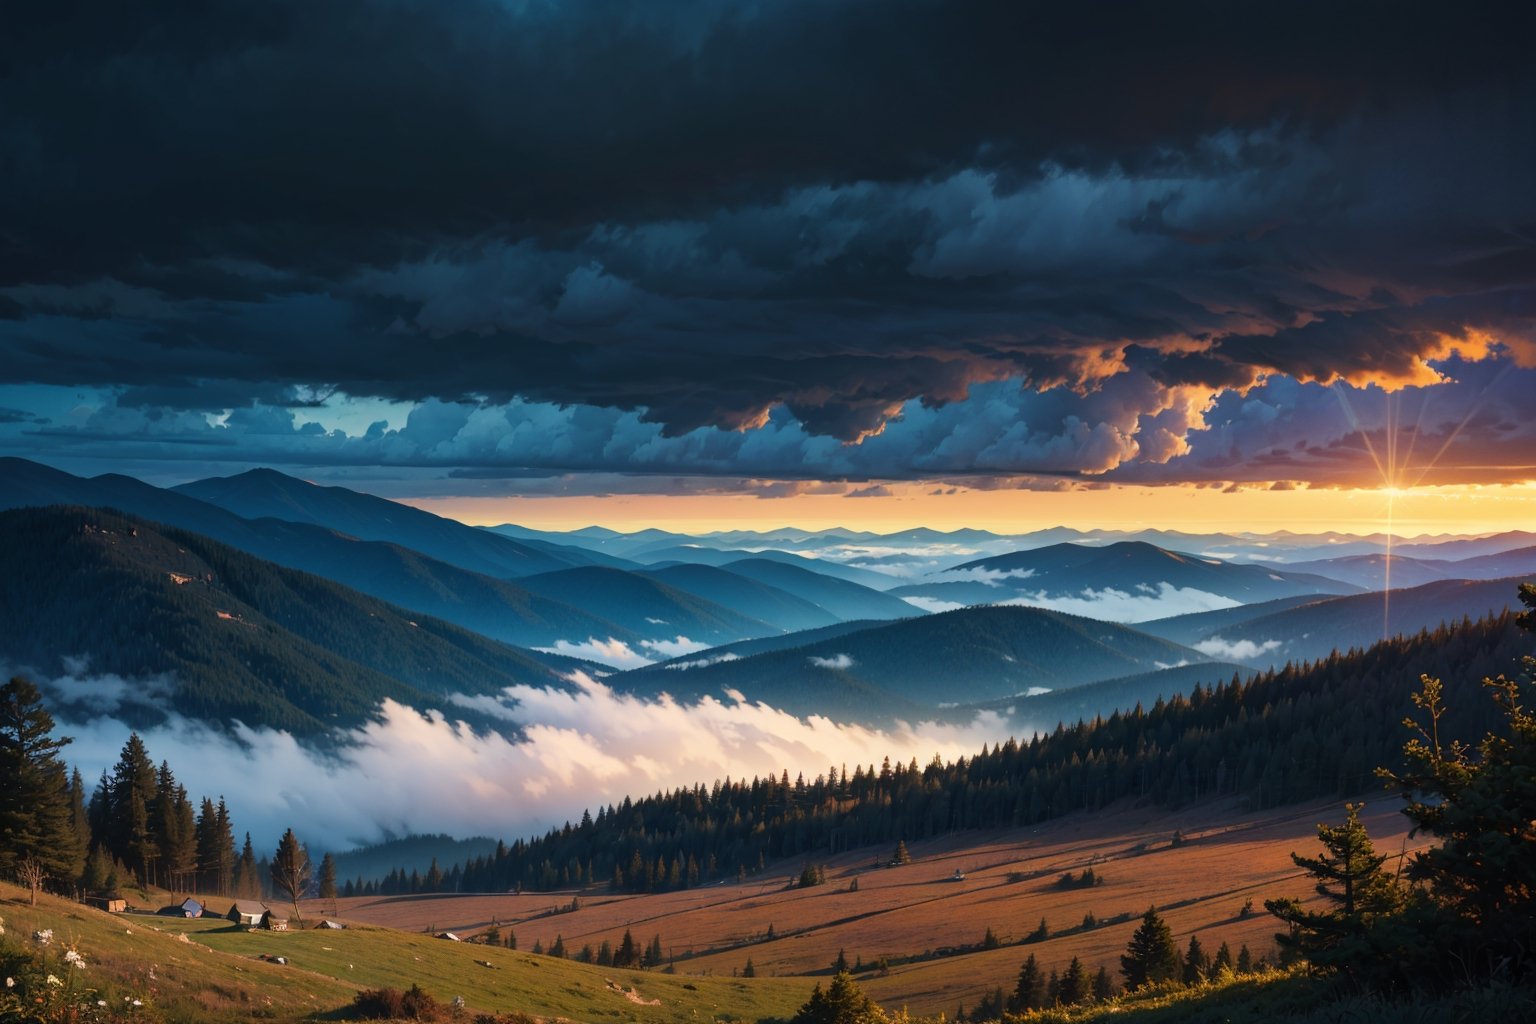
(1406, 512)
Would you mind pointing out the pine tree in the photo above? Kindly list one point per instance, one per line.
(1480, 803)
(224, 841)
(162, 823)
(142, 849)
(178, 837)
(1075, 986)
(129, 836)
(843, 1002)
(1151, 956)
(653, 953)
(37, 822)
(247, 873)
(1349, 877)
(1103, 987)
(1029, 993)
(749, 971)
(1222, 963)
(628, 954)
(291, 870)
(328, 877)
(80, 819)
(901, 856)
(1196, 964)
(557, 949)
(216, 849)
(1244, 963)
(98, 812)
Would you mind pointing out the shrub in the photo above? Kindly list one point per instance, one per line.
(393, 1004)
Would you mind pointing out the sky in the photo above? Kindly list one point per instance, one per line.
(708, 264)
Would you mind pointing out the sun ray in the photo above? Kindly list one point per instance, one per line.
(1477, 404)
(1354, 422)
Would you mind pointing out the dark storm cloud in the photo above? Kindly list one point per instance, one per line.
(705, 212)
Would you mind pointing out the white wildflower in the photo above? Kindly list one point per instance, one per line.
(53, 981)
(43, 937)
(73, 958)
(10, 982)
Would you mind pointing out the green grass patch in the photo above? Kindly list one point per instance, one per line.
(208, 969)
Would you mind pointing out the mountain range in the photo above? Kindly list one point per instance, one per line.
(268, 599)
(1131, 568)
(139, 620)
(917, 665)
(1270, 634)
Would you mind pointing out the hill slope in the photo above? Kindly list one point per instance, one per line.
(841, 597)
(1196, 626)
(961, 657)
(1373, 571)
(645, 605)
(499, 609)
(266, 493)
(226, 974)
(1128, 568)
(746, 596)
(764, 644)
(230, 636)
(1316, 629)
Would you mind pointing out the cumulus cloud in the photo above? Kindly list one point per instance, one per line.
(409, 772)
(82, 691)
(611, 651)
(834, 265)
(836, 661)
(675, 648)
(1142, 605)
(1235, 650)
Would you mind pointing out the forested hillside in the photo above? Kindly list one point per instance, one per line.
(497, 608)
(1285, 736)
(959, 657)
(233, 637)
(1067, 570)
(1312, 629)
(266, 493)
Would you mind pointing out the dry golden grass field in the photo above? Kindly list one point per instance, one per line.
(1010, 883)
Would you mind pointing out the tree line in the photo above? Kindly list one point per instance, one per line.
(138, 827)
(1297, 733)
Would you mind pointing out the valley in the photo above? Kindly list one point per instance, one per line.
(927, 925)
(1224, 858)
(1086, 769)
